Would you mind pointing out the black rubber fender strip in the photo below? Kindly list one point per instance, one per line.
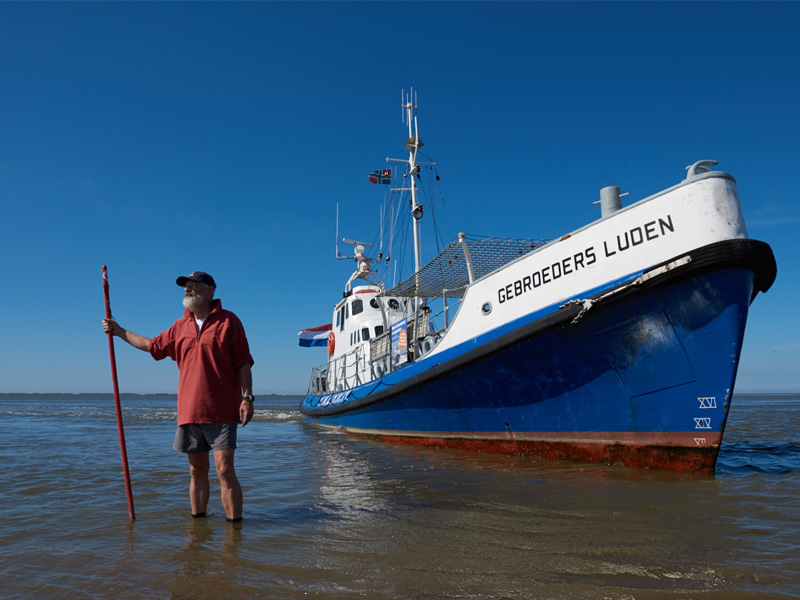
(743, 253)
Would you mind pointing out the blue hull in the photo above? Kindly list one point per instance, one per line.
(644, 379)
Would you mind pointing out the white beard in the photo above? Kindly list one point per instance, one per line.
(194, 302)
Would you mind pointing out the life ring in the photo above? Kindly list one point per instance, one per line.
(331, 343)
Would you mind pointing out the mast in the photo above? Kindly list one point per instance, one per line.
(413, 144)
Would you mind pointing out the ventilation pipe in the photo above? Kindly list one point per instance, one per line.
(610, 200)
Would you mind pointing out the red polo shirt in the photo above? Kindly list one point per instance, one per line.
(209, 388)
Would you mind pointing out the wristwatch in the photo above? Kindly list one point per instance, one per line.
(250, 399)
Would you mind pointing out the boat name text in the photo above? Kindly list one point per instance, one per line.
(635, 236)
(333, 400)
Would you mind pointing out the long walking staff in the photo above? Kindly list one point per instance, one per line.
(116, 401)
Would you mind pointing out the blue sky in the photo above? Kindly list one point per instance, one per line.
(162, 138)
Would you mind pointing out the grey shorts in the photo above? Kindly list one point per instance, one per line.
(202, 437)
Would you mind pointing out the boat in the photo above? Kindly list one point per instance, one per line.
(616, 343)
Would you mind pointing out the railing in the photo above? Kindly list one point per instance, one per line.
(359, 366)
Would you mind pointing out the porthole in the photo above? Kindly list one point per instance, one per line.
(486, 308)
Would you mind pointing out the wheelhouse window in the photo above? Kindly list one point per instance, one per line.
(358, 306)
(365, 333)
(378, 330)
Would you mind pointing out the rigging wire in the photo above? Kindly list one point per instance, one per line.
(391, 249)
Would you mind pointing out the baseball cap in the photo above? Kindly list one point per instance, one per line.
(199, 276)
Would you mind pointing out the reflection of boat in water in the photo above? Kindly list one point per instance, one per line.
(618, 342)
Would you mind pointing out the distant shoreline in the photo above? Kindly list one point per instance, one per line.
(111, 395)
(174, 395)
(765, 394)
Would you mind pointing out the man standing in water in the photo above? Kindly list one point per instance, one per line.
(215, 387)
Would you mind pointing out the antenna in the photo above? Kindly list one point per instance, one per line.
(380, 216)
(407, 100)
(337, 231)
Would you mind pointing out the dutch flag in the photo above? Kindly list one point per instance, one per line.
(316, 336)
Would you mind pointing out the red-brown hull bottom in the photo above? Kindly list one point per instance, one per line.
(689, 458)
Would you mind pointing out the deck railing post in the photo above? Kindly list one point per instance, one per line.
(462, 239)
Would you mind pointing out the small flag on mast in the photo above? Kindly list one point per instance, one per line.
(383, 176)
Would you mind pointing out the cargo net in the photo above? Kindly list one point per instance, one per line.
(448, 275)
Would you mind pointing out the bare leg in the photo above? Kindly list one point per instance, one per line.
(230, 490)
(199, 488)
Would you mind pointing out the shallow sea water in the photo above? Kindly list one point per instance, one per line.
(328, 516)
